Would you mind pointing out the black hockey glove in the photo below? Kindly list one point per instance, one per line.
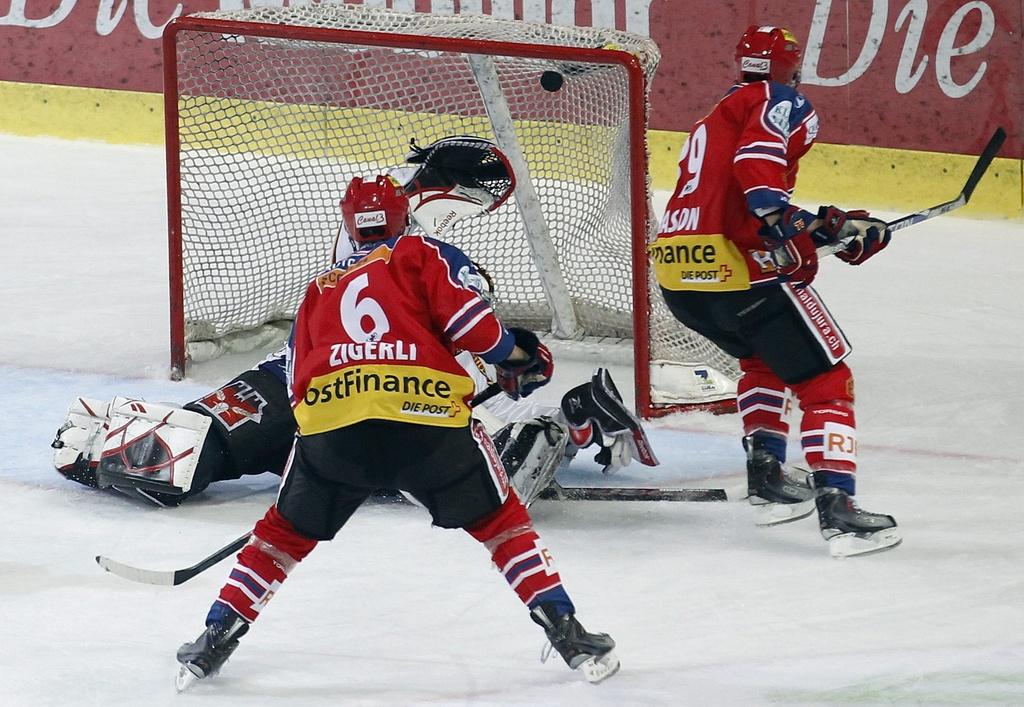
(520, 378)
(595, 414)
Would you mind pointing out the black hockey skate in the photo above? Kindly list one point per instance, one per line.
(850, 530)
(206, 655)
(590, 653)
(776, 497)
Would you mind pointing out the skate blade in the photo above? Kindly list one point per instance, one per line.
(597, 670)
(851, 545)
(186, 678)
(768, 514)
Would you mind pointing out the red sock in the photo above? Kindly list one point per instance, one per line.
(828, 430)
(762, 399)
(521, 555)
(262, 565)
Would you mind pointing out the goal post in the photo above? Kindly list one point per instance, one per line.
(270, 111)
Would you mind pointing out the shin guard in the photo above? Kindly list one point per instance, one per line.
(263, 564)
(763, 401)
(521, 556)
(828, 429)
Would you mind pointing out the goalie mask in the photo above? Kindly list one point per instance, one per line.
(769, 53)
(374, 209)
(456, 178)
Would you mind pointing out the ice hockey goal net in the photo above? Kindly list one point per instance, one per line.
(270, 111)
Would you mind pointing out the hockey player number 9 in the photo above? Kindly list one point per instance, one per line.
(355, 310)
(693, 155)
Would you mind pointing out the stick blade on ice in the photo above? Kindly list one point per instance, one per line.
(136, 574)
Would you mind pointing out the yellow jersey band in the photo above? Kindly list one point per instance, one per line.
(384, 392)
(702, 262)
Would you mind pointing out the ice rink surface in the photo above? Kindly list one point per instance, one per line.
(707, 609)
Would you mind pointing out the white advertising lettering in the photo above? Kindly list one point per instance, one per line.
(110, 12)
(107, 16)
(684, 219)
(914, 60)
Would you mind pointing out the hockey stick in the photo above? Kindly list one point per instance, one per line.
(486, 394)
(782, 258)
(980, 167)
(170, 578)
(595, 493)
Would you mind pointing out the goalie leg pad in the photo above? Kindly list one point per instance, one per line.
(531, 452)
(79, 440)
(151, 447)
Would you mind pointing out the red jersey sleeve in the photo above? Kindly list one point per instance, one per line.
(456, 306)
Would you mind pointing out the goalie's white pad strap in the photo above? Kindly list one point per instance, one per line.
(152, 444)
(82, 433)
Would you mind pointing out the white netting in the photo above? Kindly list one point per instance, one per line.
(272, 128)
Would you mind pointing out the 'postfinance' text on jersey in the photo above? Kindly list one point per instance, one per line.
(739, 160)
(376, 335)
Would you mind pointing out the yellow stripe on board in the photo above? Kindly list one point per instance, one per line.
(123, 117)
(881, 178)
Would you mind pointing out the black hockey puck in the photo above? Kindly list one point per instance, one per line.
(551, 81)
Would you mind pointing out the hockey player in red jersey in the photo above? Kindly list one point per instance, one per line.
(735, 260)
(380, 401)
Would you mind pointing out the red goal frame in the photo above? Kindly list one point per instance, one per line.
(637, 89)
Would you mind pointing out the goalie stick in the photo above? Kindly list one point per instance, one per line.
(601, 493)
(170, 578)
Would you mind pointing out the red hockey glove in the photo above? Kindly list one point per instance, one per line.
(870, 235)
(792, 245)
(520, 378)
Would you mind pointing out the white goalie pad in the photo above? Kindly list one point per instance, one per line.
(151, 446)
(79, 439)
(531, 451)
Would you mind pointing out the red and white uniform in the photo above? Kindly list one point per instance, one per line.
(740, 161)
(376, 337)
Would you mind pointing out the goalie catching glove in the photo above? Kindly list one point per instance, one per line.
(454, 178)
(519, 377)
(595, 414)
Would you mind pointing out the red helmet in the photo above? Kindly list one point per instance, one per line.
(374, 210)
(769, 52)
